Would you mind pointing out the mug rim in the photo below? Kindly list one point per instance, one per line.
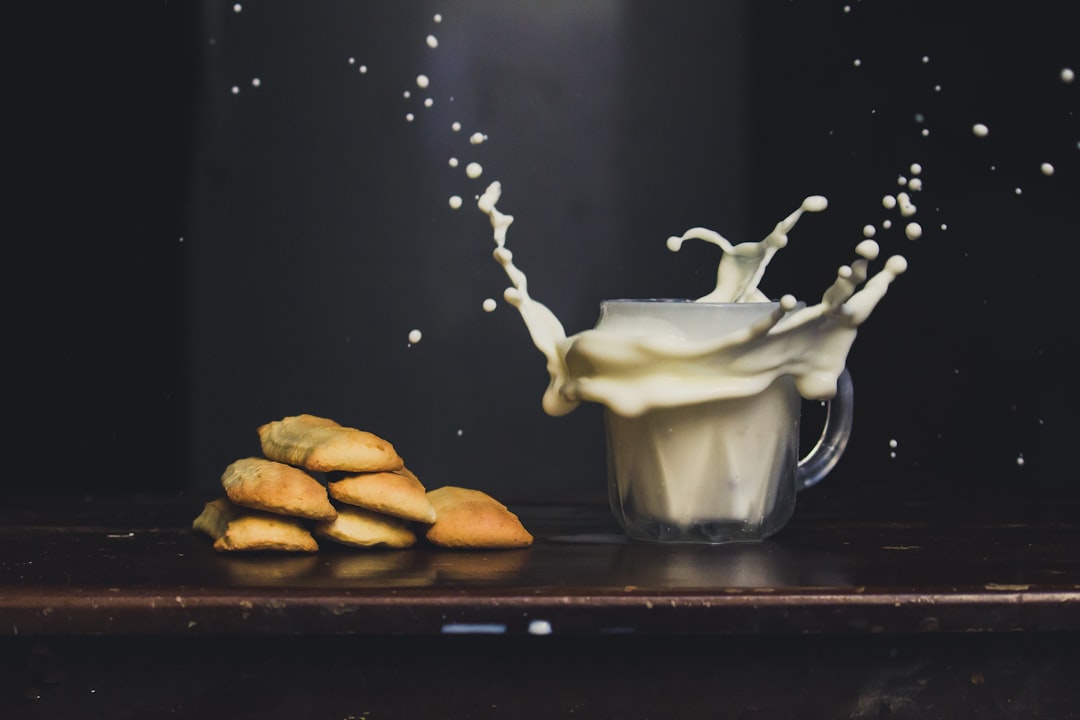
(686, 301)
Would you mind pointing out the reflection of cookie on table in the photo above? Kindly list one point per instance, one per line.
(278, 488)
(397, 492)
(476, 565)
(321, 444)
(473, 519)
(234, 528)
(380, 568)
(273, 570)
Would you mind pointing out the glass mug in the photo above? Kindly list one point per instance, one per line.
(718, 471)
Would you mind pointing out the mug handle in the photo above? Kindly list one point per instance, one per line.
(834, 438)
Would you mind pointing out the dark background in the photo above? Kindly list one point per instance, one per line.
(192, 263)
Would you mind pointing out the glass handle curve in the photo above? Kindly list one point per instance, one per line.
(834, 438)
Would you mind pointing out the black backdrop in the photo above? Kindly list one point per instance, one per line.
(201, 261)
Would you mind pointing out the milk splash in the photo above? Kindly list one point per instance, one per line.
(633, 370)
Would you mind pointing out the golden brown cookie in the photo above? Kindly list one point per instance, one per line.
(278, 488)
(321, 444)
(473, 519)
(363, 528)
(235, 528)
(393, 493)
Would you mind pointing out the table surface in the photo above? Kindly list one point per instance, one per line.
(132, 566)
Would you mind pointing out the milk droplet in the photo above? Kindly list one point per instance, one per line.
(916, 168)
(432, 41)
(477, 137)
(869, 231)
(980, 130)
(1020, 459)
(944, 226)
(406, 94)
(901, 180)
(919, 118)
(886, 224)
(256, 82)
(888, 202)
(237, 8)
(925, 132)
(893, 443)
(937, 88)
(847, 8)
(422, 81)
(409, 117)
(868, 249)
(352, 61)
(1047, 169)
(913, 231)
(897, 265)
(363, 69)
(456, 127)
(906, 208)
(473, 170)
(453, 162)
(1019, 191)
(1067, 75)
(857, 62)
(455, 202)
(415, 336)
(428, 102)
(460, 432)
(437, 18)
(489, 305)
(925, 59)
(914, 184)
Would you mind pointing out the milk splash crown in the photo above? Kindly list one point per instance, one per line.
(633, 370)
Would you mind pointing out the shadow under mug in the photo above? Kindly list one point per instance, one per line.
(719, 471)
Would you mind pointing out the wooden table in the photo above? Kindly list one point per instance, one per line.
(909, 610)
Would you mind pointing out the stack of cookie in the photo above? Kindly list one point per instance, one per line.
(272, 503)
